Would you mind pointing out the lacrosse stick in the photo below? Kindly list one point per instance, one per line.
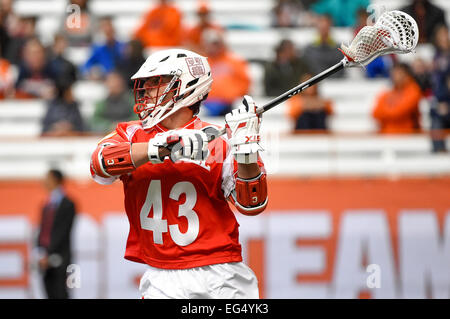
(394, 32)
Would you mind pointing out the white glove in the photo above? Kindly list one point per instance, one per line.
(183, 143)
(242, 127)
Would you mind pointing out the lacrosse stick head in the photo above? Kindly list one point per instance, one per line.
(394, 32)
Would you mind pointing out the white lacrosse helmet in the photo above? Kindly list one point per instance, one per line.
(185, 75)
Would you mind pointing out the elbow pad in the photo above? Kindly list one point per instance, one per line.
(113, 160)
(250, 195)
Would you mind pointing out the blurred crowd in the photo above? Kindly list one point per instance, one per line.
(31, 70)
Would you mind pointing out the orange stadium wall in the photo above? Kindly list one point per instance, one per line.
(318, 238)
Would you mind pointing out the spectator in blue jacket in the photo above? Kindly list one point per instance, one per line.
(104, 57)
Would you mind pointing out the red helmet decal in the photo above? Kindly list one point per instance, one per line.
(196, 67)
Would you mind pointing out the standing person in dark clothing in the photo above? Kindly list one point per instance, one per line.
(54, 240)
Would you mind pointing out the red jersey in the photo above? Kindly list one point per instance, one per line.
(178, 212)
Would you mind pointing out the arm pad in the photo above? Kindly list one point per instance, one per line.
(113, 160)
(250, 195)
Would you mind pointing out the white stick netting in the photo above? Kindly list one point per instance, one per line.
(394, 32)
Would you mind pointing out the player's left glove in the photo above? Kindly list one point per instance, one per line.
(242, 127)
(193, 145)
(182, 143)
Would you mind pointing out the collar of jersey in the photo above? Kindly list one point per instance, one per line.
(188, 125)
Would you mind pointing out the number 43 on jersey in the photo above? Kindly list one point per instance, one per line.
(158, 225)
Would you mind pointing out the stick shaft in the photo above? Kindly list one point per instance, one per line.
(301, 87)
(294, 91)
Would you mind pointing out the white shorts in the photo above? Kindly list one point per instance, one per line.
(219, 281)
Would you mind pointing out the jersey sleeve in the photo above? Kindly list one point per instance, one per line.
(116, 137)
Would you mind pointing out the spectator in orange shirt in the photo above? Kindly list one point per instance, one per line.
(309, 110)
(194, 36)
(161, 26)
(6, 79)
(230, 74)
(397, 110)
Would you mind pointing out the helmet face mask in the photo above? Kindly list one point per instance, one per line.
(154, 92)
(168, 81)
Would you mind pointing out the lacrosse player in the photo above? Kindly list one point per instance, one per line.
(177, 185)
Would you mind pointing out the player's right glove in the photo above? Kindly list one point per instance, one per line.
(183, 144)
(242, 127)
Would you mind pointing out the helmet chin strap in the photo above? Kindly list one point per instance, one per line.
(151, 120)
